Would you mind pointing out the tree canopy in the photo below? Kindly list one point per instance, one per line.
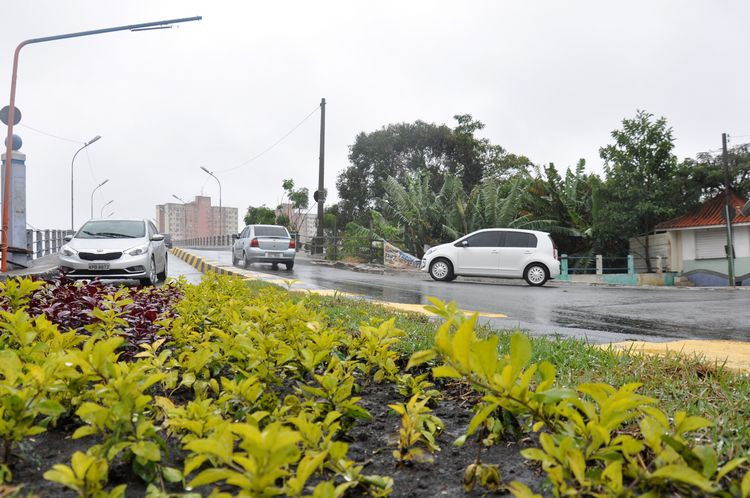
(403, 150)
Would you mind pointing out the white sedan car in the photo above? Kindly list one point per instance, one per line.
(116, 249)
(495, 252)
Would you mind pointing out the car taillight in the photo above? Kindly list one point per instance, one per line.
(291, 244)
(254, 243)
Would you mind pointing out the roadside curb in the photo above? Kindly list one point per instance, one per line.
(201, 265)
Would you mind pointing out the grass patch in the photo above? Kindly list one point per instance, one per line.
(680, 382)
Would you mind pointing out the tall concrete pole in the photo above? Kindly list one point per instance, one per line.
(12, 103)
(728, 210)
(321, 174)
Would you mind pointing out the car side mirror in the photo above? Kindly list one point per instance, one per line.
(235, 236)
(464, 243)
(68, 238)
(157, 237)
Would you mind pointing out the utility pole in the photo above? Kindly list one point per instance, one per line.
(321, 170)
(728, 210)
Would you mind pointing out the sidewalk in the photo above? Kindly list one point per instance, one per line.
(43, 267)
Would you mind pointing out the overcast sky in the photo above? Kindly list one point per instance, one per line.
(550, 79)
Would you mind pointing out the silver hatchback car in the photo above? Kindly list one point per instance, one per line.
(117, 249)
(264, 244)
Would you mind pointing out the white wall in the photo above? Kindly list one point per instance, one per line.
(742, 241)
(688, 244)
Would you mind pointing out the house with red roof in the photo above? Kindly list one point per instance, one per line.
(698, 243)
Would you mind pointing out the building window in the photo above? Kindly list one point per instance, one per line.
(710, 244)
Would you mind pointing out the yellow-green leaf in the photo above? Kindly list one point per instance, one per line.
(421, 357)
(684, 474)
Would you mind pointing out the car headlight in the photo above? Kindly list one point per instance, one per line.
(67, 251)
(138, 250)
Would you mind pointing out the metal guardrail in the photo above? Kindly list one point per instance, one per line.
(601, 265)
(209, 241)
(45, 242)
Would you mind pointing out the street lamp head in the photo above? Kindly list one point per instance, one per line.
(105, 181)
(93, 140)
(204, 169)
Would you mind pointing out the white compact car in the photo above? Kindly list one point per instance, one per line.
(117, 249)
(495, 252)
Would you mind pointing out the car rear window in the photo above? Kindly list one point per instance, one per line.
(271, 232)
(112, 229)
(519, 239)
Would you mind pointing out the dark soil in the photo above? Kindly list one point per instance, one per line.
(371, 443)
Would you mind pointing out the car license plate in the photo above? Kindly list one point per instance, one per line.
(98, 266)
(273, 254)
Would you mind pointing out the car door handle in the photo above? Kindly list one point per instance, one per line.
(495, 252)
(528, 252)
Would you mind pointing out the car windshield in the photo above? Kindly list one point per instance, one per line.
(271, 232)
(112, 229)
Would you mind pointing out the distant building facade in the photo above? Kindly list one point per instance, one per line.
(195, 219)
(306, 224)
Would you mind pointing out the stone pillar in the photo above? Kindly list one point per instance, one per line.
(564, 267)
(17, 208)
(599, 264)
(47, 242)
(658, 264)
(39, 245)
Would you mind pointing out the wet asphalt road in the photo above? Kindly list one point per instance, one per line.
(597, 313)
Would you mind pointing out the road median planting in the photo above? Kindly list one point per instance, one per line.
(240, 388)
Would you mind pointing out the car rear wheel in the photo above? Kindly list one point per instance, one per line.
(163, 275)
(245, 261)
(536, 274)
(289, 266)
(152, 277)
(441, 269)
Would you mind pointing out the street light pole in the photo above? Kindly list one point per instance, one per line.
(101, 212)
(221, 211)
(72, 162)
(184, 216)
(92, 196)
(12, 106)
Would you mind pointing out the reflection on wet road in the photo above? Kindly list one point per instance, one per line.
(600, 314)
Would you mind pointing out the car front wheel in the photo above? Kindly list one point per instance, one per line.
(536, 275)
(152, 278)
(163, 275)
(441, 270)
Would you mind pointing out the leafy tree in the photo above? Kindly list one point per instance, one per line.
(403, 150)
(642, 187)
(569, 199)
(706, 172)
(299, 200)
(261, 215)
(283, 220)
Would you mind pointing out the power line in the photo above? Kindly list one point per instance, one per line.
(277, 142)
(91, 168)
(50, 134)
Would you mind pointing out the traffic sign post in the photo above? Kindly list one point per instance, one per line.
(5, 115)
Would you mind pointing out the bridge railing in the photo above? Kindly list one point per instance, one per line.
(208, 241)
(41, 243)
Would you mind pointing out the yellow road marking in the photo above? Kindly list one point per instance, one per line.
(736, 354)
